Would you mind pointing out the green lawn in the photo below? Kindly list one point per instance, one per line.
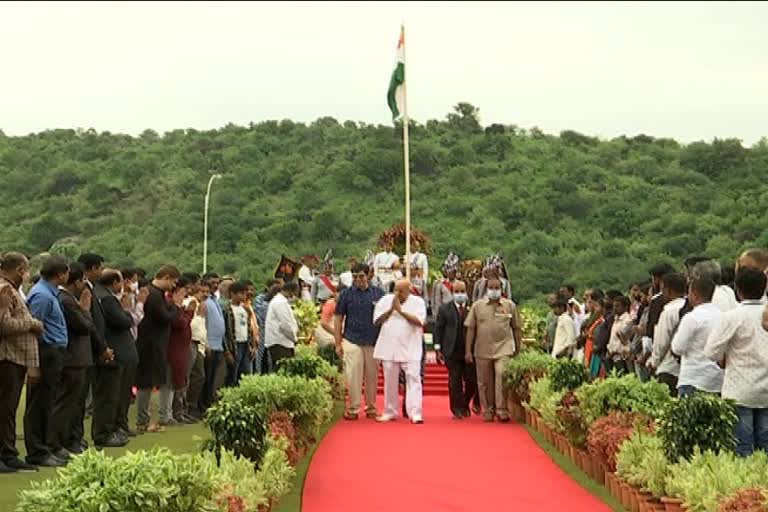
(182, 439)
(575, 473)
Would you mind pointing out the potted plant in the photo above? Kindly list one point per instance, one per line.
(607, 433)
(754, 499)
(702, 420)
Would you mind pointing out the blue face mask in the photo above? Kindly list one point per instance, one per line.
(494, 294)
(460, 298)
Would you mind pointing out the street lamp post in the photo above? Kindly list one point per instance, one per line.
(205, 229)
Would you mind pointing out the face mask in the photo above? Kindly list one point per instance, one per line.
(460, 298)
(135, 287)
(494, 294)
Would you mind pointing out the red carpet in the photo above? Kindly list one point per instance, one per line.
(443, 465)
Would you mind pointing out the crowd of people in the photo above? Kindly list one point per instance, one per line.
(90, 340)
(702, 330)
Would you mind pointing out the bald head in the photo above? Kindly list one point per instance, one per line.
(402, 290)
(459, 287)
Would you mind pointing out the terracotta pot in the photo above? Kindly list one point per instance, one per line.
(672, 504)
(626, 495)
(634, 498)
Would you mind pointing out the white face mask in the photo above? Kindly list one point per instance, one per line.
(135, 287)
(494, 294)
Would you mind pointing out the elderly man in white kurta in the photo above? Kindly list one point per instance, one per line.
(401, 316)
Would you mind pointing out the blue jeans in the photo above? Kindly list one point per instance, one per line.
(243, 365)
(686, 390)
(751, 430)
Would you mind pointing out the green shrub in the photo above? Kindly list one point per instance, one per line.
(708, 478)
(155, 480)
(529, 360)
(626, 393)
(276, 473)
(309, 365)
(238, 427)
(328, 353)
(567, 374)
(546, 401)
(641, 462)
(308, 401)
(702, 420)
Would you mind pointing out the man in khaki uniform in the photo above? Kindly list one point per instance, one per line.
(493, 335)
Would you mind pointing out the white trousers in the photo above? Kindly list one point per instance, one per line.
(413, 399)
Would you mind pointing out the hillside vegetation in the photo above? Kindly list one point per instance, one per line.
(568, 207)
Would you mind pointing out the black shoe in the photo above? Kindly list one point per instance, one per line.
(16, 464)
(62, 454)
(48, 462)
(4, 470)
(114, 441)
(126, 432)
(458, 416)
(83, 444)
(74, 450)
(466, 413)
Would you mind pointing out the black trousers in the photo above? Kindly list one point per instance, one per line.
(669, 380)
(462, 383)
(66, 408)
(127, 380)
(196, 386)
(106, 399)
(214, 363)
(11, 383)
(278, 352)
(40, 400)
(77, 430)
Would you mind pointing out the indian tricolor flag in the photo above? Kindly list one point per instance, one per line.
(396, 92)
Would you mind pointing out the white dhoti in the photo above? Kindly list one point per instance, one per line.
(399, 347)
(413, 398)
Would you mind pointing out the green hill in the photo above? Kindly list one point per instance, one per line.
(568, 207)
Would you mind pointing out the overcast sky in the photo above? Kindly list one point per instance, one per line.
(685, 70)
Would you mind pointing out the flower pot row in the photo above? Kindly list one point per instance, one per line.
(631, 498)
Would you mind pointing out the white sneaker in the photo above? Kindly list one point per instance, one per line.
(417, 420)
(384, 418)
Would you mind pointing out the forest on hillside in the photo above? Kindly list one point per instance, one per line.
(565, 207)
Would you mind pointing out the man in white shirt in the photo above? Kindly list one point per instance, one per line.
(565, 335)
(419, 260)
(742, 344)
(724, 297)
(697, 371)
(401, 316)
(575, 309)
(347, 278)
(282, 330)
(307, 275)
(662, 361)
(383, 267)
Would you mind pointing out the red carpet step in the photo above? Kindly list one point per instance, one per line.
(435, 380)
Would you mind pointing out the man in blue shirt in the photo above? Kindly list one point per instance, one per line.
(43, 303)
(216, 329)
(354, 317)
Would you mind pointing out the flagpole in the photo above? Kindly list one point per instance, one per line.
(407, 165)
